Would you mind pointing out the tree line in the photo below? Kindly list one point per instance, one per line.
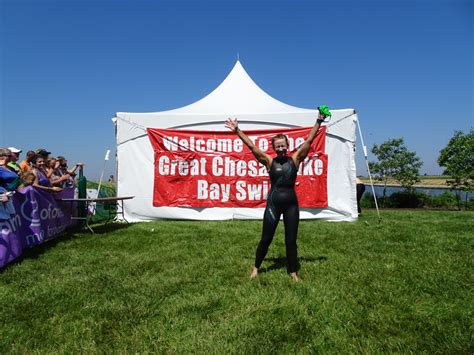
(395, 161)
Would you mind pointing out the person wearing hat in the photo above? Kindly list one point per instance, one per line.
(43, 152)
(14, 155)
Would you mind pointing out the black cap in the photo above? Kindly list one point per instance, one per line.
(42, 151)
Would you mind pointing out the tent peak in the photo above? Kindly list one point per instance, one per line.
(237, 94)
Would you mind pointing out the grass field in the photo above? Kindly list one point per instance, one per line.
(404, 285)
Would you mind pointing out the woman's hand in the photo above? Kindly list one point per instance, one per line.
(56, 189)
(320, 118)
(232, 124)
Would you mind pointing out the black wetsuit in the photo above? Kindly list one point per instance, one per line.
(281, 200)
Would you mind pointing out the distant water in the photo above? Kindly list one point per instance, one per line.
(430, 191)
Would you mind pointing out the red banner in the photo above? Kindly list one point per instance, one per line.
(215, 169)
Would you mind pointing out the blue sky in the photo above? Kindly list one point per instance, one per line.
(68, 66)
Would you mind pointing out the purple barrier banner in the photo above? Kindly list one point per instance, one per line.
(37, 217)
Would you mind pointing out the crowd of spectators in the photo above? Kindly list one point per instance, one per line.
(38, 169)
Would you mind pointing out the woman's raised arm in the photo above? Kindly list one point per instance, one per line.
(259, 154)
(303, 150)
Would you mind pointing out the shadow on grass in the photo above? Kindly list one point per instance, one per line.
(280, 263)
(104, 228)
(71, 233)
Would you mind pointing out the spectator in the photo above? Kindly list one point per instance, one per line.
(14, 155)
(4, 196)
(51, 166)
(44, 153)
(9, 180)
(27, 179)
(360, 187)
(41, 181)
(63, 170)
(56, 176)
(25, 165)
(7, 210)
(111, 179)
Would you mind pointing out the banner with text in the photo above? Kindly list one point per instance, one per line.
(215, 169)
(32, 216)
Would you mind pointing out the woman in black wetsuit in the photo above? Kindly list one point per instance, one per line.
(282, 196)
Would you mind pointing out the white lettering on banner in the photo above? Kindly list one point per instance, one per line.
(241, 168)
(51, 213)
(35, 238)
(229, 167)
(213, 191)
(263, 143)
(318, 167)
(11, 224)
(170, 143)
(192, 167)
(195, 164)
(311, 167)
(298, 141)
(252, 192)
(223, 145)
(220, 167)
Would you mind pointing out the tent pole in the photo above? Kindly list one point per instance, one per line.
(114, 120)
(102, 174)
(364, 148)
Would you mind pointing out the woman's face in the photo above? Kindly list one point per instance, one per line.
(52, 162)
(3, 160)
(280, 146)
(40, 162)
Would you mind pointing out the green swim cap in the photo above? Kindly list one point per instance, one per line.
(324, 110)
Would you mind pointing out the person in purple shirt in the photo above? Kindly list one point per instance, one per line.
(41, 180)
(9, 180)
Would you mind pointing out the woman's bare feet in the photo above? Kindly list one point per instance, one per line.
(254, 273)
(294, 276)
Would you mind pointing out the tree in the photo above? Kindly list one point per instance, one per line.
(395, 161)
(458, 160)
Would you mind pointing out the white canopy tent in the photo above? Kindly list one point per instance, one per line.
(237, 96)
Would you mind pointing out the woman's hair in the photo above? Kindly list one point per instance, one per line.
(279, 136)
(50, 161)
(5, 152)
(36, 157)
(28, 178)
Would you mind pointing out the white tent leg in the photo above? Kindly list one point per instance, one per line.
(364, 148)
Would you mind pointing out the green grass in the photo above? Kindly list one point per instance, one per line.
(404, 285)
